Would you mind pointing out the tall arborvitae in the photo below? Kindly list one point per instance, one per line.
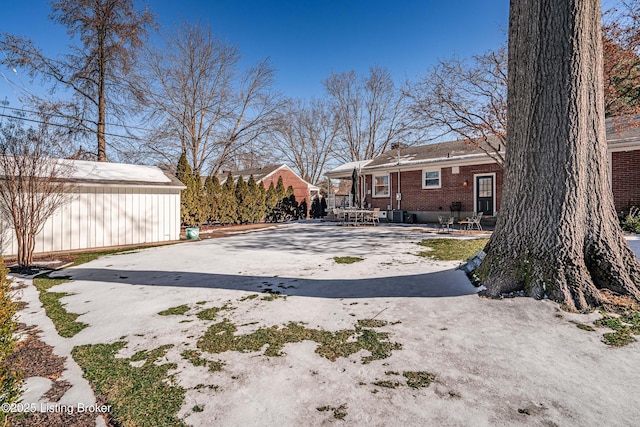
(213, 193)
(263, 198)
(191, 198)
(271, 200)
(184, 174)
(228, 208)
(200, 214)
(281, 191)
(257, 201)
(244, 204)
(303, 209)
(289, 208)
(315, 208)
(289, 191)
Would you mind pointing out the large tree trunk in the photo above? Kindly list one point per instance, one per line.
(557, 232)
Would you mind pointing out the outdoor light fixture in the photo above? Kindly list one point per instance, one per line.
(465, 183)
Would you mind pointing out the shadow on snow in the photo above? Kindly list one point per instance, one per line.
(447, 283)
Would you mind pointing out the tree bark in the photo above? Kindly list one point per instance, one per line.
(557, 233)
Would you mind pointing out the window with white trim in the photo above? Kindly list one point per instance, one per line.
(380, 185)
(431, 178)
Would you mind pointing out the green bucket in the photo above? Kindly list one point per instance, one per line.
(193, 233)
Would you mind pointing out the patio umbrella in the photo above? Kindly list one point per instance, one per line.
(354, 187)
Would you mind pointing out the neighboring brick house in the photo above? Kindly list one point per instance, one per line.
(624, 158)
(430, 180)
(302, 190)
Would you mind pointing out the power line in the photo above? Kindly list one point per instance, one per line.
(69, 127)
(22, 110)
(50, 60)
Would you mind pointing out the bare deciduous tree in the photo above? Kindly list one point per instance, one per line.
(467, 99)
(108, 34)
(201, 103)
(557, 233)
(305, 135)
(32, 184)
(372, 113)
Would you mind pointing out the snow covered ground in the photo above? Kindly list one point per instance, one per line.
(516, 361)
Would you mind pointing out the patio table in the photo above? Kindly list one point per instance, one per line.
(355, 215)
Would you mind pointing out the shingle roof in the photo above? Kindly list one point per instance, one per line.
(620, 130)
(261, 173)
(258, 174)
(346, 168)
(623, 128)
(85, 172)
(441, 150)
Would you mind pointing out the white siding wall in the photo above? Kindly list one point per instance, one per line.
(107, 216)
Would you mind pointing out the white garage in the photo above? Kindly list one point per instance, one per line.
(110, 204)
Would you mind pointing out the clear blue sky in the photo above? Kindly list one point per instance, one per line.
(306, 40)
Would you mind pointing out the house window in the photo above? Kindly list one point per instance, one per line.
(381, 186)
(431, 179)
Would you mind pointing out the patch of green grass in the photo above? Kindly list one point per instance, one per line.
(82, 258)
(273, 296)
(175, 311)
(193, 356)
(418, 379)
(451, 249)
(624, 326)
(248, 297)
(221, 337)
(197, 408)
(347, 259)
(617, 339)
(209, 386)
(585, 327)
(64, 322)
(338, 413)
(210, 313)
(139, 396)
(387, 384)
(371, 323)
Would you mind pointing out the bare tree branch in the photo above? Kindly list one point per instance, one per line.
(32, 184)
(201, 104)
(109, 33)
(371, 111)
(305, 135)
(467, 99)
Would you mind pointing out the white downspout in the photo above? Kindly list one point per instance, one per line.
(398, 189)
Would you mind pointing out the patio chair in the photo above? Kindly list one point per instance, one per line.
(339, 214)
(371, 217)
(446, 222)
(475, 221)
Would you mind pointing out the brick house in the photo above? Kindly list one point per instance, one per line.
(624, 158)
(458, 178)
(302, 190)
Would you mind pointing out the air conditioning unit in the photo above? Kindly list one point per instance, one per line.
(382, 214)
(397, 216)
